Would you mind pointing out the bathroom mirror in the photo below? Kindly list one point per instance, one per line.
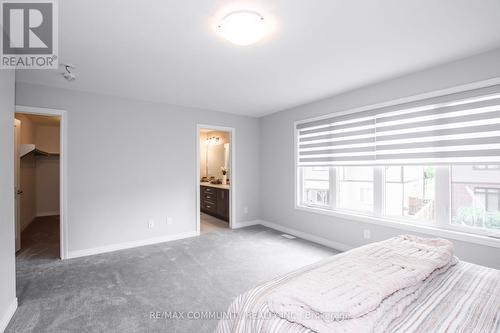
(214, 154)
(215, 160)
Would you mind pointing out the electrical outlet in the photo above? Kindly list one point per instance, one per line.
(366, 234)
(245, 210)
(151, 224)
(170, 220)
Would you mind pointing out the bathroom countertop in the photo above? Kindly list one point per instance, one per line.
(225, 187)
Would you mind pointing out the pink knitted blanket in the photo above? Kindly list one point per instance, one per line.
(356, 282)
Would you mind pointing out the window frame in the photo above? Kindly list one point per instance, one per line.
(442, 225)
(347, 210)
(405, 219)
(442, 203)
(469, 229)
(378, 200)
(301, 192)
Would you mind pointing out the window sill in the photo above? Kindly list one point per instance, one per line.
(424, 229)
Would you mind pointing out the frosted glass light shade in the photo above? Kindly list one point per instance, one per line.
(242, 27)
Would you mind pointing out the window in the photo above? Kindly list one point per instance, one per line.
(433, 162)
(410, 192)
(355, 188)
(316, 186)
(475, 195)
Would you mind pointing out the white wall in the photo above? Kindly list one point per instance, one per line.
(47, 138)
(47, 186)
(7, 264)
(277, 153)
(27, 183)
(131, 161)
(27, 129)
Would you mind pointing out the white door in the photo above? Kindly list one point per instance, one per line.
(17, 190)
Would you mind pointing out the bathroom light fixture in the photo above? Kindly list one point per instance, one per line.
(212, 141)
(242, 27)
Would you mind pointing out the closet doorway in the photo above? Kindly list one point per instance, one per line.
(215, 186)
(39, 155)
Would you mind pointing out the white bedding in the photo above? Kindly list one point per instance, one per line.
(465, 298)
(459, 297)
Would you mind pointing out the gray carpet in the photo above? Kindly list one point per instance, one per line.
(116, 292)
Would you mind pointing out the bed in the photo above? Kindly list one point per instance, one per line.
(463, 298)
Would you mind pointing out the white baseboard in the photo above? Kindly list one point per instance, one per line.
(244, 224)
(128, 245)
(53, 213)
(313, 238)
(7, 316)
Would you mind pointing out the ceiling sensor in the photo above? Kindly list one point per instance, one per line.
(68, 74)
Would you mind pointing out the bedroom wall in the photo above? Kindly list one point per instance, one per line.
(131, 161)
(8, 302)
(277, 153)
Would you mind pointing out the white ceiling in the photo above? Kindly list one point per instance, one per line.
(167, 50)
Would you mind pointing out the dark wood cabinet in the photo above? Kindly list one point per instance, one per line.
(223, 204)
(215, 201)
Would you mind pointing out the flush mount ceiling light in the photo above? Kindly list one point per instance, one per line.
(242, 27)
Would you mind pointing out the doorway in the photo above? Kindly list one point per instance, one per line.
(215, 186)
(39, 155)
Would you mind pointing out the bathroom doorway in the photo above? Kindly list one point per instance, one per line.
(215, 178)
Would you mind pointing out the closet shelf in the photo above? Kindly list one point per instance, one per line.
(28, 149)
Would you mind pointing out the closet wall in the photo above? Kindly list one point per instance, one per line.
(47, 171)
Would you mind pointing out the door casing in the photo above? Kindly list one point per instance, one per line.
(232, 168)
(17, 193)
(63, 201)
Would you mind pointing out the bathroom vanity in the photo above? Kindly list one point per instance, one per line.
(214, 200)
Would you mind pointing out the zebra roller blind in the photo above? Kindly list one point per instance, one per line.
(452, 129)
